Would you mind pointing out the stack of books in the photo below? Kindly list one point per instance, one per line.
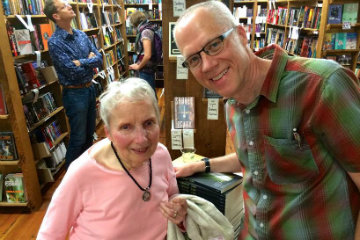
(224, 190)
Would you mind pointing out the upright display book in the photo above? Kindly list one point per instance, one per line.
(7, 147)
(23, 41)
(350, 13)
(184, 109)
(14, 188)
(335, 14)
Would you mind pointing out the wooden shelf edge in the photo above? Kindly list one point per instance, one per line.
(9, 163)
(42, 121)
(7, 204)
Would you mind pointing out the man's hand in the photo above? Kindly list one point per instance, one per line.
(77, 63)
(91, 55)
(189, 169)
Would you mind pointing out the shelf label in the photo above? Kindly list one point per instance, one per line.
(181, 72)
(188, 138)
(179, 7)
(176, 139)
(213, 109)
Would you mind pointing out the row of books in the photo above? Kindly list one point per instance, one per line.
(23, 7)
(57, 156)
(8, 150)
(275, 35)
(22, 41)
(110, 58)
(340, 40)
(305, 17)
(340, 13)
(242, 12)
(154, 13)
(38, 110)
(12, 188)
(224, 190)
(142, 1)
(48, 134)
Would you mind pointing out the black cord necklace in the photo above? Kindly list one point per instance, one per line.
(146, 195)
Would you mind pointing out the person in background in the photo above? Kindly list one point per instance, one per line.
(294, 123)
(144, 47)
(124, 186)
(74, 58)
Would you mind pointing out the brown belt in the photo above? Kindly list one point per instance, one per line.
(84, 85)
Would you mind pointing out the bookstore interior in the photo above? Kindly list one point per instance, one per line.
(34, 130)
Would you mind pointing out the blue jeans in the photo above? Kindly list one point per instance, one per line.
(149, 77)
(80, 107)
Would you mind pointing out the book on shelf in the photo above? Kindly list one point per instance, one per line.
(350, 12)
(3, 109)
(184, 110)
(210, 94)
(1, 186)
(8, 150)
(46, 32)
(335, 14)
(14, 188)
(351, 40)
(23, 41)
(340, 40)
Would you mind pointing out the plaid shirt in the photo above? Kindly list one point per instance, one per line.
(295, 143)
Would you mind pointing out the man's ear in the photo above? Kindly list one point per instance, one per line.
(242, 33)
(55, 16)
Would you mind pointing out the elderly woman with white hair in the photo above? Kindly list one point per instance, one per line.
(122, 187)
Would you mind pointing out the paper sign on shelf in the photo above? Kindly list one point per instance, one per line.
(188, 138)
(150, 5)
(213, 109)
(179, 7)
(176, 139)
(181, 72)
(90, 7)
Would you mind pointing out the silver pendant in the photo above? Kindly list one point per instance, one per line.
(146, 195)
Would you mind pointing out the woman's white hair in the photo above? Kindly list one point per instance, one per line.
(217, 9)
(128, 90)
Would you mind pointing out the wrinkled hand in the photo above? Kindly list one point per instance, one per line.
(185, 170)
(175, 210)
(134, 67)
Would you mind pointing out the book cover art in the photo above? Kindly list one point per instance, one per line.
(351, 40)
(350, 12)
(46, 32)
(329, 41)
(335, 14)
(210, 94)
(184, 109)
(23, 41)
(7, 147)
(14, 188)
(340, 40)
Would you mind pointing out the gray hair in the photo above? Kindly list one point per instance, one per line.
(130, 90)
(217, 9)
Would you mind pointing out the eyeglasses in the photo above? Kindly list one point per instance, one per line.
(212, 48)
(65, 5)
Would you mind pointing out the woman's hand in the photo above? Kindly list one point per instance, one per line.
(134, 67)
(175, 210)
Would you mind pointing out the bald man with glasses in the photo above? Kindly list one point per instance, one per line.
(294, 123)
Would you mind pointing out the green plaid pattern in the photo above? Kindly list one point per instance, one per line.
(295, 182)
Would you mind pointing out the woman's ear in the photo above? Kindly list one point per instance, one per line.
(107, 134)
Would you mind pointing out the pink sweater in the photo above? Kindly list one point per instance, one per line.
(97, 203)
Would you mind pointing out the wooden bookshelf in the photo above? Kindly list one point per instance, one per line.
(15, 120)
